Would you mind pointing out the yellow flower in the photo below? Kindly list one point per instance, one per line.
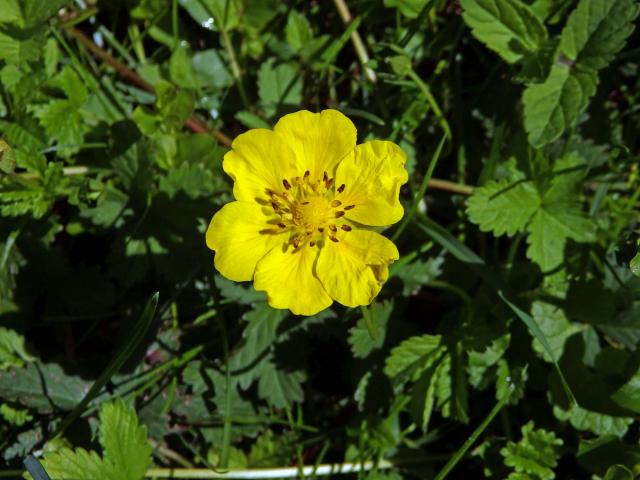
(306, 199)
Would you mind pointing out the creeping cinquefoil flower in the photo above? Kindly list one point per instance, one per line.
(307, 198)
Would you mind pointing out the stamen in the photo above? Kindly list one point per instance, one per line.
(333, 228)
(282, 225)
(296, 242)
(305, 203)
(286, 184)
(349, 207)
(346, 228)
(336, 203)
(312, 243)
(334, 239)
(339, 214)
(325, 177)
(328, 183)
(275, 206)
(341, 188)
(306, 174)
(320, 229)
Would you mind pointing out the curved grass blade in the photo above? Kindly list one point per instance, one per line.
(474, 436)
(36, 470)
(140, 329)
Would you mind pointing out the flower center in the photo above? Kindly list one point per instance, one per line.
(310, 210)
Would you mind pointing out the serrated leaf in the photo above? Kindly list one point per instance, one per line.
(278, 85)
(595, 422)
(503, 207)
(79, 465)
(412, 356)
(12, 350)
(281, 389)
(236, 292)
(15, 416)
(536, 453)
(417, 274)
(43, 387)
(597, 30)
(62, 121)
(508, 27)
(194, 180)
(124, 441)
(552, 107)
(259, 335)
(298, 30)
(370, 332)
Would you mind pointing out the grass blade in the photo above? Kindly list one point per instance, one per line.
(474, 436)
(122, 355)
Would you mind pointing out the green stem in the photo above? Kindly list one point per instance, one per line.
(421, 191)
(474, 436)
(226, 431)
(426, 91)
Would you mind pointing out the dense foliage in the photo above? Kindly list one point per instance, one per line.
(503, 345)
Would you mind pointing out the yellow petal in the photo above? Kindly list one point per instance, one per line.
(372, 175)
(353, 269)
(240, 235)
(289, 281)
(319, 140)
(258, 160)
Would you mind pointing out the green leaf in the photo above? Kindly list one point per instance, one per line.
(597, 30)
(508, 27)
(211, 14)
(536, 453)
(623, 327)
(62, 122)
(43, 387)
(12, 350)
(408, 8)
(174, 104)
(634, 265)
(554, 106)
(595, 422)
(281, 389)
(278, 85)
(369, 333)
(503, 207)
(127, 453)
(211, 71)
(15, 416)
(124, 440)
(410, 358)
(418, 274)
(628, 395)
(194, 180)
(79, 465)
(259, 335)
(298, 30)
(555, 326)
(7, 158)
(618, 472)
(598, 454)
